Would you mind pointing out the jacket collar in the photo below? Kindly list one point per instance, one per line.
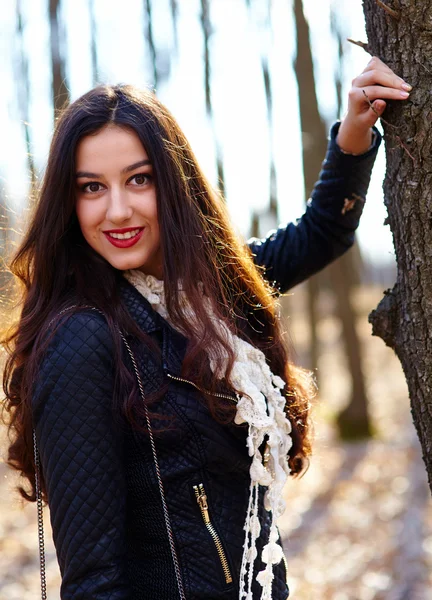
(140, 308)
(149, 321)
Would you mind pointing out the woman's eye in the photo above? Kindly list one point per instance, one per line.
(140, 179)
(92, 187)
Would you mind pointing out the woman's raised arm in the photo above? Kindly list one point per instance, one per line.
(293, 253)
(326, 230)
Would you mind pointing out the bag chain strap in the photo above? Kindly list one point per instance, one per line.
(158, 476)
(40, 520)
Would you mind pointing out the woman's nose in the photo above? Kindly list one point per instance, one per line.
(119, 209)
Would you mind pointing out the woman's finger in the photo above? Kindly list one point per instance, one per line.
(379, 106)
(378, 77)
(371, 115)
(360, 96)
(376, 63)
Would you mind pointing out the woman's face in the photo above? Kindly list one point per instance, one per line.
(116, 200)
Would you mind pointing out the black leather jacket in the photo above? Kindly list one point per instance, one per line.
(104, 500)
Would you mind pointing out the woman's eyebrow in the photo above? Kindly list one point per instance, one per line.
(140, 163)
(89, 175)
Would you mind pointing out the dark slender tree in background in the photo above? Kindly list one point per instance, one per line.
(93, 43)
(265, 67)
(207, 30)
(353, 421)
(400, 33)
(174, 16)
(59, 88)
(314, 146)
(23, 89)
(148, 35)
(271, 213)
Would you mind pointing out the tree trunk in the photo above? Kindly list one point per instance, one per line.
(150, 41)
(401, 36)
(207, 30)
(353, 422)
(174, 16)
(93, 43)
(273, 205)
(59, 89)
(23, 88)
(314, 147)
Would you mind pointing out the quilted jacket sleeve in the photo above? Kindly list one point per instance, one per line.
(294, 252)
(81, 457)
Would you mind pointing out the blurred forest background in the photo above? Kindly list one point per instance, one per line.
(255, 84)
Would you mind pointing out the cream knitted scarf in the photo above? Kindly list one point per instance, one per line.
(262, 408)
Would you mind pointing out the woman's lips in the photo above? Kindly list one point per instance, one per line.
(117, 239)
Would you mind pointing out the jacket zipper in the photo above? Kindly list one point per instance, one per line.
(201, 497)
(203, 391)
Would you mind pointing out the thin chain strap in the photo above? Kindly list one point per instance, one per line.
(158, 475)
(40, 519)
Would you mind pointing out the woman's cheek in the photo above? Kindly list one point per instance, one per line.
(89, 215)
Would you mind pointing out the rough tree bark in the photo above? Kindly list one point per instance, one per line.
(401, 35)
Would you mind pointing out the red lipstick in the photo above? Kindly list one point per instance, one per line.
(124, 242)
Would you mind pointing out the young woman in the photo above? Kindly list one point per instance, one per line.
(149, 358)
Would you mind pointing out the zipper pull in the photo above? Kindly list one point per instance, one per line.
(266, 455)
(201, 497)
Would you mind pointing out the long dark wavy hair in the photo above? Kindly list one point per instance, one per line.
(57, 268)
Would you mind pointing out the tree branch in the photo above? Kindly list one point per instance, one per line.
(384, 318)
(396, 14)
(363, 45)
(425, 68)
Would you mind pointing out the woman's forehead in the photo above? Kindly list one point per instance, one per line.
(112, 146)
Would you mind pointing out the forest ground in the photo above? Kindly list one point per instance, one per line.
(358, 525)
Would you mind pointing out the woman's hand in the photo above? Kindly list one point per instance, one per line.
(366, 103)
